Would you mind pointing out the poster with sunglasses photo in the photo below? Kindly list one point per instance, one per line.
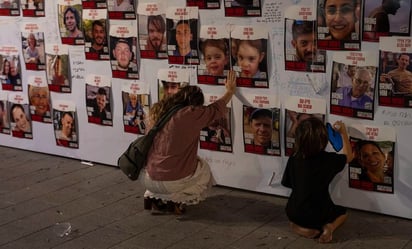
(152, 30)
(39, 99)
(94, 4)
(301, 53)
(373, 166)
(99, 99)
(32, 8)
(249, 54)
(217, 136)
(4, 117)
(386, 18)
(32, 37)
(20, 121)
(298, 109)
(353, 81)
(214, 55)
(204, 4)
(136, 102)
(10, 8)
(243, 8)
(182, 35)
(339, 24)
(171, 80)
(395, 79)
(261, 120)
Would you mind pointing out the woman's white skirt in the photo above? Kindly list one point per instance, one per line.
(189, 190)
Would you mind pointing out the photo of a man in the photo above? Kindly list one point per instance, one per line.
(123, 61)
(99, 38)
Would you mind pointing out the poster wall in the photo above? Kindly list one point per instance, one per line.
(132, 74)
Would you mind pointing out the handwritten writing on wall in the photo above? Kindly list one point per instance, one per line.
(396, 118)
(272, 13)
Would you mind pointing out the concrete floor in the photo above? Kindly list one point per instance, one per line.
(41, 195)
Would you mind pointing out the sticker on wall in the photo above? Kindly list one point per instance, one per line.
(214, 55)
(301, 53)
(386, 18)
(65, 124)
(20, 121)
(353, 84)
(58, 68)
(4, 117)
(182, 35)
(96, 46)
(217, 136)
(395, 72)
(32, 37)
(39, 99)
(123, 60)
(338, 25)
(152, 30)
(204, 4)
(243, 8)
(261, 131)
(11, 68)
(250, 42)
(70, 22)
(298, 109)
(32, 8)
(373, 167)
(98, 100)
(136, 102)
(121, 9)
(171, 80)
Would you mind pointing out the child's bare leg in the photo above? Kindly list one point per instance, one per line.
(303, 231)
(328, 229)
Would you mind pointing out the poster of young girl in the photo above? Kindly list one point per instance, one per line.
(136, 102)
(95, 30)
(395, 79)
(70, 22)
(152, 30)
(243, 8)
(4, 117)
(32, 37)
(386, 18)
(248, 50)
(39, 99)
(261, 119)
(10, 68)
(298, 109)
(204, 4)
(99, 99)
(123, 46)
(339, 31)
(65, 124)
(32, 8)
(301, 53)
(214, 55)
(182, 35)
(57, 68)
(353, 89)
(171, 80)
(218, 135)
(19, 117)
(373, 167)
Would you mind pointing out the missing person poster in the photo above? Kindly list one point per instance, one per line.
(20, 121)
(95, 28)
(65, 124)
(214, 55)
(243, 8)
(152, 30)
(338, 25)
(121, 9)
(69, 14)
(182, 35)
(298, 109)
(217, 136)
(395, 72)
(373, 166)
(99, 99)
(4, 116)
(33, 48)
(32, 8)
(94, 4)
(171, 80)
(11, 68)
(386, 18)
(246, 42)
(353, 81)
(261, 131)
(136, 102)
(301, 53)
(204, 4)
(10, 8)
(39, 99)
(58, 68)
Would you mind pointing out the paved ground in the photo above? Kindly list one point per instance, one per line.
(41, 195)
